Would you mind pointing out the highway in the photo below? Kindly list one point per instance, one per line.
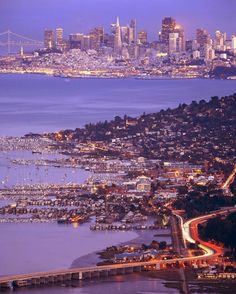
(190, 233)
(230, 179)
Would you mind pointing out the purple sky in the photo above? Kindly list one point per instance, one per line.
(31, 17)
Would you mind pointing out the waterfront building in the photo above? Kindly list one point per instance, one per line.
(48, 39)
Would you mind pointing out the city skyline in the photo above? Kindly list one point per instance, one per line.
(79, 16)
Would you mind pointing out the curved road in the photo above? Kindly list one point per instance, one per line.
(190, 233)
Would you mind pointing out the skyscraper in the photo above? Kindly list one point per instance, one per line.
(173, 42)
(76, 41)
(181, 42)
(142, 37)
(203, 40)
(203, 37)
(48, 39)
(133, 26)
(168, 27)
(59, 38)
(96, 38)
(125, 35)
(219, 42)
(117, 41)
(233, 44)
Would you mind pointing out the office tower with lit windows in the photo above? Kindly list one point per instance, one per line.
(168, 27)
(173, 43)
(181, 42)
(219, 41)
(76, 41)
(117, 40)
(203, 37)
(142, 37)
(133, 26)
(124, 35)
(48, 39)
(233, 44)
(59, 38)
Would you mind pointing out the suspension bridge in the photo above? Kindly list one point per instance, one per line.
(11, 40)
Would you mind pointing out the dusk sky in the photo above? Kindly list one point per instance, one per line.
(30, 18)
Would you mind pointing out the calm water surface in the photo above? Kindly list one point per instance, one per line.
(44, 246)
(37, 103)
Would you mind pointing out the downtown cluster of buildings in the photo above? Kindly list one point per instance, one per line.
(128, 43)
(128, 52)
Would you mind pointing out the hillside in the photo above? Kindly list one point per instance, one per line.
(196, 132)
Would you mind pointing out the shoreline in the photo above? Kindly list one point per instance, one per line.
(142, 237)
(137, 77)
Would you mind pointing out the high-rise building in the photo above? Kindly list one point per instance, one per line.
(142, 37)
(168, 27)
(209, 52)
(219, 42)
(76, 41)
(181, 42)
(108, 40)
(131, 38)
(86, 43)
(133, 26)
(125, 35)
(203, 37)
(117, 40)
(59, 38)
(196, 54)
(203, 40)
(96, 38)
(233, 44)
(189, 45)
(99, 32)
(48, 39)
(173, 42)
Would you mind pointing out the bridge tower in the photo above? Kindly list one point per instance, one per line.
(8, 42)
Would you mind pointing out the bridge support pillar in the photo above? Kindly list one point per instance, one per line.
(128, 270)
(120, 271)
(6, 286)
(112, 272)
(137, 269)
(87, 275)
(104, 273)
